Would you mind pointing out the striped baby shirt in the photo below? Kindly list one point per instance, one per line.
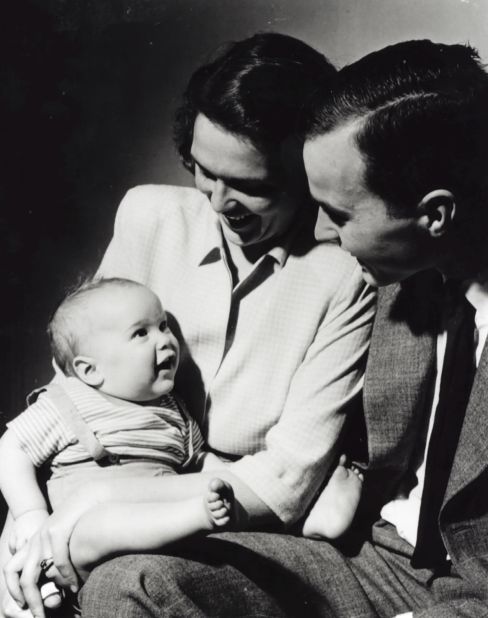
(163, 433)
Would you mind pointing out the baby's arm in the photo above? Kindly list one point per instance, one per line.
(121, 527)
(18, 484)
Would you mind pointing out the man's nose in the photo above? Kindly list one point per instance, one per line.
(325, 230)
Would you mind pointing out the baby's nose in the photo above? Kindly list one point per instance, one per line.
(163, 339)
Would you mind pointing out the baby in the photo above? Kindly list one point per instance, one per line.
(111, 412)
(111, 405)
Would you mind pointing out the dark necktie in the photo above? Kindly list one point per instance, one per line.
(455, 388)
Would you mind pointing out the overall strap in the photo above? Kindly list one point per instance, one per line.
(79, 426)
(190, 428)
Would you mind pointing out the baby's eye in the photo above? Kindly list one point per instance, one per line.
(163, 326)
(140, 332)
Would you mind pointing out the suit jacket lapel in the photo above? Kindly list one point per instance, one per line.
(399, 373)
(471, 457)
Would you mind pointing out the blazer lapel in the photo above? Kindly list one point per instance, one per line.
(471, 457)
(399, 373)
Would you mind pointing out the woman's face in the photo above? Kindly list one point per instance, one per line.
(243, 185)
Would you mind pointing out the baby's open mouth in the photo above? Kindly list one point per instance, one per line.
(166, 364)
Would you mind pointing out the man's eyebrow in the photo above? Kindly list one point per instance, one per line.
(320, 204)
(329, 208)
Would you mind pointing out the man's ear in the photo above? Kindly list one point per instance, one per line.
(436, 211)
(87, 371)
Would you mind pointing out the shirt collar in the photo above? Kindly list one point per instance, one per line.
(214, 250)
(477, 295)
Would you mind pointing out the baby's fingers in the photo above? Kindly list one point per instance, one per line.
(21, 576)
(11, 572)
(12, 542)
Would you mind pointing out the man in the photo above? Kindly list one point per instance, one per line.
(396, 159)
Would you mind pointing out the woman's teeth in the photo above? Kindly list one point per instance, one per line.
(237, 217)
(238, 222)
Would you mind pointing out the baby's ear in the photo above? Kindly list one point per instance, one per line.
(87, 371)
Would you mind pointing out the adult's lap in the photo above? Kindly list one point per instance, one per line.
(232, 574)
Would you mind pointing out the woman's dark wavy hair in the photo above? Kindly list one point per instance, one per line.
(422, 109)
(254, 88)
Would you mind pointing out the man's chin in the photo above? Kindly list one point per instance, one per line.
(379, 279)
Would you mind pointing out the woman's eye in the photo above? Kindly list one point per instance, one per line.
(140, 332)
(263, 191)
(203, 172)
(163, 326)
(260, 190)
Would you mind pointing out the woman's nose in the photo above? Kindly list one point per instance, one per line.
(218, 195)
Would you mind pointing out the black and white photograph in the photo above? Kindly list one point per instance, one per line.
(243, 328)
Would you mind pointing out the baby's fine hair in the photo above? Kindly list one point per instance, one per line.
(70, 320)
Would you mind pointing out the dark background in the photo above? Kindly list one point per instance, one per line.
(88, 91)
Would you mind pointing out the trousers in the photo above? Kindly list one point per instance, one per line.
(258, 574)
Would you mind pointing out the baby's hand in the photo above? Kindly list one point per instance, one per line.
(24, 526)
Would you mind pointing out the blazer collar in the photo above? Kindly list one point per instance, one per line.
(399, 371)
(471, 457)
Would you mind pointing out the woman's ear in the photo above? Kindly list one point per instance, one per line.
(437, 211)
(87, 371)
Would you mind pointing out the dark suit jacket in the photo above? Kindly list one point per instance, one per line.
(397, 399)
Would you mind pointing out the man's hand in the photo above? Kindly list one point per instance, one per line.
(25, 526)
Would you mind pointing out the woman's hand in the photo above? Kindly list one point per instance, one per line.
(23, 571)
(10, 609)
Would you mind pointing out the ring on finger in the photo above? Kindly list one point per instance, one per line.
(46, 564)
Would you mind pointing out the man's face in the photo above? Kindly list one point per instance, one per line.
(241, 184)
(388, 248)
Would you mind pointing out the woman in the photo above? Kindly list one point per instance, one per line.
(275, 326)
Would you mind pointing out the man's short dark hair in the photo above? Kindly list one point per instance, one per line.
(423, 121)
(254, 88)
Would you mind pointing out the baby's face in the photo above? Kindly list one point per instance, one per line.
(130, 340)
